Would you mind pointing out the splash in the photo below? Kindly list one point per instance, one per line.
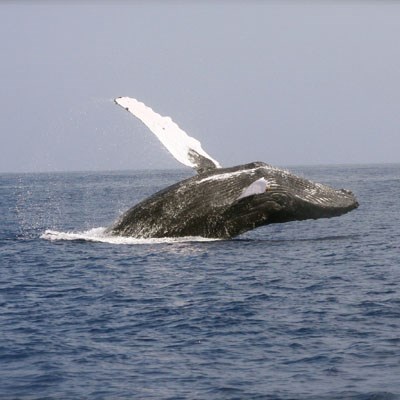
(101, 235)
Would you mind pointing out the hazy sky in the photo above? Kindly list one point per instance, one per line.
(285, 82)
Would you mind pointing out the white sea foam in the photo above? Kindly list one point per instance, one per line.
(100, 235)
(176, 140)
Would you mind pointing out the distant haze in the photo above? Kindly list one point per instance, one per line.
(285, 82)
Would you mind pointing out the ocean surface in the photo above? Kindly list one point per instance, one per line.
(303, 310)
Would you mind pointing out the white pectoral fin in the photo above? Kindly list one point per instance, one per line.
(183, 147)
(257, 187)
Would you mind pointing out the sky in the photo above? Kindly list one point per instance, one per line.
(284, 82)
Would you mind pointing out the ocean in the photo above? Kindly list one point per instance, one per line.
(302, 310)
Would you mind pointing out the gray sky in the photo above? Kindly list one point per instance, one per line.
(285, 82)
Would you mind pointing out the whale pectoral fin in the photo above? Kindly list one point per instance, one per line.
(201, 164)
(186, 149)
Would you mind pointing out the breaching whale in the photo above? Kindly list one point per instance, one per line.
(222, 202)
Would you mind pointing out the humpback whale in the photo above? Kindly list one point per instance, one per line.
(222, 202)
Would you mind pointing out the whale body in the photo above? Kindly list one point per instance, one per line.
(222, 202)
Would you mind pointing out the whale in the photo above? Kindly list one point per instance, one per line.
(220, 202)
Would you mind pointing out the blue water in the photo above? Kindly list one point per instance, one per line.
(304, 310)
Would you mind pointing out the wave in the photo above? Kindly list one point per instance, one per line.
(100, 235)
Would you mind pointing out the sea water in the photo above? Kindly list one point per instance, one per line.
(302, 310)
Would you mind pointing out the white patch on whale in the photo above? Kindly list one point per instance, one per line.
(252, 171)
(257, 187)
(228, 175)
(176, 140)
